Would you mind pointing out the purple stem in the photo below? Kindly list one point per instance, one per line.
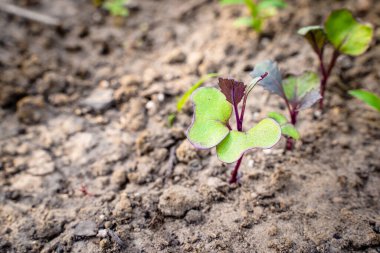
(239, 125)
(326, 74)
(233, 178)
(238, 122)
(293, 120)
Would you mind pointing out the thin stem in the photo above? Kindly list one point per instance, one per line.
(233, 178)
(326, 74)
(246, 96)
(293, 120)
(236, 109)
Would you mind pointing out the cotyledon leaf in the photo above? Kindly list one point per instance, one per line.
(211, 114)
(264, 135)
(272, 82)
(302, 91)
(315, 35)
(346, 34)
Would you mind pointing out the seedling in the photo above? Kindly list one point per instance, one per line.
(367, 97)
(259, 10)
(210, 127)
(117, 8)
(344, 34)
(298, 93)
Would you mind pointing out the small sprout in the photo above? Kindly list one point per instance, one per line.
(367, 97)
(210, 127)
(185, 97)
(344, 34)
(259, 10)
(298, 92)
(287, 129)
(116, 7)
(171, 119)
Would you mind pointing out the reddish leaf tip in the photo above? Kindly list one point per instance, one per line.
(232, 89)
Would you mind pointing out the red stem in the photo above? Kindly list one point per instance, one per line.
(293, 120)
(233, 178)
(238, 122)
(326, 74)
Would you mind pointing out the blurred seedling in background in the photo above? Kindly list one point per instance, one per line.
(298, 92)
(117, 8)
(185, 97)
(210, 128)
(346, 36)
(259, 10)
(367, 97)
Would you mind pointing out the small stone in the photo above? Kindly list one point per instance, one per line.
(194, 217)
(102, 233)
(176, 200)
(85, 228)
(123, 207)
(100, 99)
(30, 110)
(108, 224)
(175, 56)
(150, 105)
(186, 152)
(119, 178)
(104, 244)
(161, 97)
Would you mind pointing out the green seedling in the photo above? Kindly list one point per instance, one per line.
(259, 10)
(210, 128)
(116, 7)
(298, 93)
(342, 32)
(367, 97)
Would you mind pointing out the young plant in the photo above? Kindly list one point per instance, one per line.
(259, 10)
(117, 8)
(211, 128)
(367, 97)
(344, 34)
(298, 93)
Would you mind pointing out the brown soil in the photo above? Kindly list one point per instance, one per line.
(89, 164)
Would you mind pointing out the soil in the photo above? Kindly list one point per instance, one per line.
(88, 162)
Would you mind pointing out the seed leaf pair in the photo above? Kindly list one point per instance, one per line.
(210, 125)
(347, 35)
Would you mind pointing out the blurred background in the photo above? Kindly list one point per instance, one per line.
(91, 137)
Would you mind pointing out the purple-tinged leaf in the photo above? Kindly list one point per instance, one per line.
(302, 91)
(309, 99)
(232, 89)
(272, 82)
